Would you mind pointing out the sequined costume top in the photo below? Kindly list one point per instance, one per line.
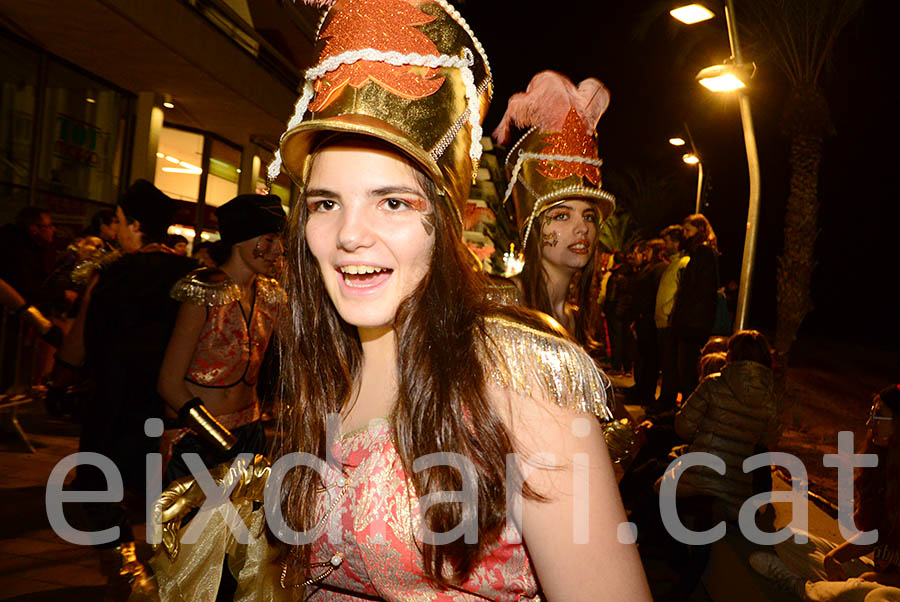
(365, 539)
(232, 344)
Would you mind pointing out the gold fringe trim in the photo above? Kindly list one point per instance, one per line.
(84, 270)
(504, 293)
(206, 287)
(211, 287)
(519, 355)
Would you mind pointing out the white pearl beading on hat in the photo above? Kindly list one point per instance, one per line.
(545, 157)
(454, 14)
(575, 190)
(398, 59)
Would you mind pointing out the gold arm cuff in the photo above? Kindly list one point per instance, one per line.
(205, 425)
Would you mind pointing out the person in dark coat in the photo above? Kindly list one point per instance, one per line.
(695, 304)
(642, 310)
(619, 291)
(733, 415)
(25, 259)
(119, 338)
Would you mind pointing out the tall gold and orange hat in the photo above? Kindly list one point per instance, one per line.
(557, 158)
(408, 72)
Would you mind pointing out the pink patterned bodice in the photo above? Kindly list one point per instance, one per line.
(231, 345)
(372, 516)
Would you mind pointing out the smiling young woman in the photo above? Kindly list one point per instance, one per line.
(453, 431)
(369, 233)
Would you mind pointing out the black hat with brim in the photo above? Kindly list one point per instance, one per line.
(150, 206)
(250, 215)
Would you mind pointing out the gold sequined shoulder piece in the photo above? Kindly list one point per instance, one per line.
(82, 272)
(206, 286)
(270, 290)
(516, 355)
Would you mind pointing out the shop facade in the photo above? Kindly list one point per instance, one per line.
(185, 96)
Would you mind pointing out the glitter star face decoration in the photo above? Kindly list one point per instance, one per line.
(571, 140)
(382, 25)
(550, 239)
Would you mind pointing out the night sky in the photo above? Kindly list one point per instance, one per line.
(648, 61)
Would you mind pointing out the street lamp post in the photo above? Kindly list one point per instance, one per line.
(690, 138)
(748, 262)
(692, 158)
(699, 186)
(749, 258)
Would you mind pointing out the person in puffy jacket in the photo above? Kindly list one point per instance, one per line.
(729, 415)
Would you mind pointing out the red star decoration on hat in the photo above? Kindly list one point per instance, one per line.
(385, 25)
(571, 140)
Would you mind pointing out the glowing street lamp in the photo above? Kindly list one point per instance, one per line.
(692, 13)
(691, 158)
(734, 76)
(725, 78)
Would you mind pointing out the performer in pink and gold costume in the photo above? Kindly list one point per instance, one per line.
(556, 190)
(225, 322)
(458, 454)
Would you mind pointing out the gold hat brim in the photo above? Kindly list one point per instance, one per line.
(604, 200)
(298, 143)
(533, 192)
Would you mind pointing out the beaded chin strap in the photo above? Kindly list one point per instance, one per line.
(539, 202)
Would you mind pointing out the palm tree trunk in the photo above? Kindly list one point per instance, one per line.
(807, 120)
(795, 266)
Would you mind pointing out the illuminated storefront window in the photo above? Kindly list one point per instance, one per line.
(62, 136)
(18, 78)
(179, 158)
(224, 171)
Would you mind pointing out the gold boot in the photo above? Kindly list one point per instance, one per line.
(127, 576)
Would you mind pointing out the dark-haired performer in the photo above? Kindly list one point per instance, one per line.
(224, 326)
(560, 203)
(119, 337)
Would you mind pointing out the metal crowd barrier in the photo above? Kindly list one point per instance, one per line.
(19, 355)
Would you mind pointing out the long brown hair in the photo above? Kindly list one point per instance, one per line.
(441, 403)
(705, 233)
(534, 285)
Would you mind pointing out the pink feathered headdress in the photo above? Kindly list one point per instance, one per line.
(546, 102)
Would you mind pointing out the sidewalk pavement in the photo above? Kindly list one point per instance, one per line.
(37, 566)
